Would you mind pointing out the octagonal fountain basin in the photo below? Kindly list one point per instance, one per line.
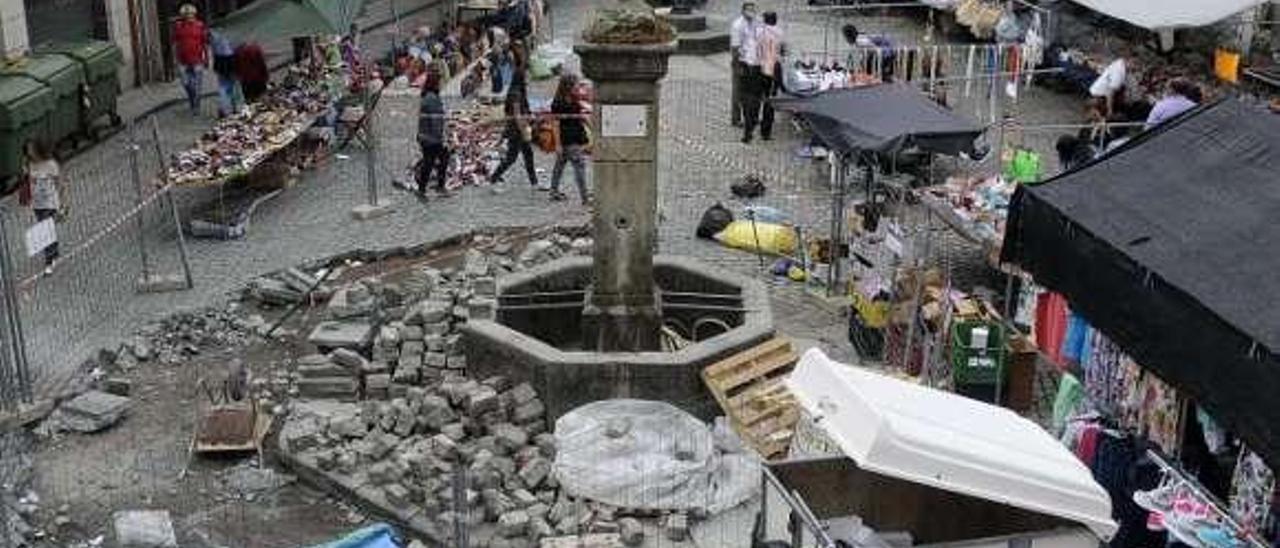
(537, 335)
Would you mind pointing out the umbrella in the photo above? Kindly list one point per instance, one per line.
(265, 19)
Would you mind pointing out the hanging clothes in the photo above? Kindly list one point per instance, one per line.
(1051, 325)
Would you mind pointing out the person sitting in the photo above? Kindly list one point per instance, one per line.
(1181, 97)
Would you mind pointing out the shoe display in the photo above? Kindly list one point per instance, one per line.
(1158, 500)
(1218, 537)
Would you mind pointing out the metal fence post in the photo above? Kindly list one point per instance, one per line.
(172, 205)
(13, 317)
(371, 143)
(135, 173)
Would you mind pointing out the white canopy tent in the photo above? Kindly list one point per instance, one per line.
(930, 437)
(1166, 14)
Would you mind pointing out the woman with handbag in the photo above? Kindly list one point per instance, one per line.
(43, 192)
(519, 136)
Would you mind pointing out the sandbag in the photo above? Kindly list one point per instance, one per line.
(764, 237)
(714, 219)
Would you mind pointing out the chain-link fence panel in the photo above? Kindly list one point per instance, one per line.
(116, 235)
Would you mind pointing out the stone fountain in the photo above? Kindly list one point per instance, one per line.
(583, 329)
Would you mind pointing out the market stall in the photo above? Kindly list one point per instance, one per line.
(1170, 283)
(879, 461)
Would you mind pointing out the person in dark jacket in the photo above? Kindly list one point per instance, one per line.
(519, 134)
(432, 123)
(251, 70)
(573, 138)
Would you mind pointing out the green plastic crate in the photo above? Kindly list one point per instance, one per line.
(981, 365)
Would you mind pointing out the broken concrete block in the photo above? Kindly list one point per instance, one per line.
(534, 472)
(342, 335)
(396, 495)
(273, 291)
(523, 393)
(513, 524)
(456, 362)
(117, 386)
(482, 400)
(348, 358)
(439, 328)
(92, 412)
(482, 308)
(631, 531)
(523, 498)
(323, 371)
(484, 286)
(428, 312)
(676, 527)
(327, 388)
(509, 437)
(144, 529)
(529, 412)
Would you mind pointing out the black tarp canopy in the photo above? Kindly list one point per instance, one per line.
(884, 118)
(1171, 246)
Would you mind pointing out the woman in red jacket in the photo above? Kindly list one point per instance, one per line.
(191, 46)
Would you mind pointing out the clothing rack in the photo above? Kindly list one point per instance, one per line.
(1205, 496)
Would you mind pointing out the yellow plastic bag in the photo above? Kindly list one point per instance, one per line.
(773, 238)
(1226, 65)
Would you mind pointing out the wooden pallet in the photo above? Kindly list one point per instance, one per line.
(749, 388)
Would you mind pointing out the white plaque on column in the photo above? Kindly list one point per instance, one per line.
(624, 120)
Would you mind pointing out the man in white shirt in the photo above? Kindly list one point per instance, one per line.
(742, 43)
(1110, 84)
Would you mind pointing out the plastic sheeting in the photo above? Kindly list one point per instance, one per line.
(1169, 13)
(374, 536)
(649, 455)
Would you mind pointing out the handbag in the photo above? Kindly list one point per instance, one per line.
(547, 135)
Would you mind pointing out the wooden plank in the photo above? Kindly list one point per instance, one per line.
(717, 371)
(743, 368)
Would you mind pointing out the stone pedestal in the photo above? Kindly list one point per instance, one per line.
(623, 312)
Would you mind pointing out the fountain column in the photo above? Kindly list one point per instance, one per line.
(623, 312)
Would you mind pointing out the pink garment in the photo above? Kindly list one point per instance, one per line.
(770, 49)
(1051, 325)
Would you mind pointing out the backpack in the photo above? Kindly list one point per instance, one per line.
(714, 219)
(749, 187)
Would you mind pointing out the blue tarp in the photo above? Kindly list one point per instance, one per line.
(374, 536)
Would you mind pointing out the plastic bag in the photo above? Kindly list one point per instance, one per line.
(764, 237)
(714, 220)
(540, 68)
(648, 455)
(765, 214)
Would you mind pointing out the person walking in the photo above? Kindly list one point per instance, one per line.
(44, 194)
(770, 53)
(191, 46)
(741, 39)
(252, 71)
(574, 138)
(432, 125)
(519, 136)
(224, 66)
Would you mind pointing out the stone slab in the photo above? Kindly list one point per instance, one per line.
(92, 411)
(144, 529)
(342, 335)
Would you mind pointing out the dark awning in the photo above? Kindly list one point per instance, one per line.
(884, 118)
(1171, 246)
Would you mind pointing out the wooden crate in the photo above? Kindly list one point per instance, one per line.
(749, 388)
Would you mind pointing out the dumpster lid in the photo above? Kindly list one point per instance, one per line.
(99, 58)
(56, 71)
(935, 438)
(23, 99)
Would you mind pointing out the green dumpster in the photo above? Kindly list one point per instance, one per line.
(25, 106)
(66, 78)
(101, 62)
